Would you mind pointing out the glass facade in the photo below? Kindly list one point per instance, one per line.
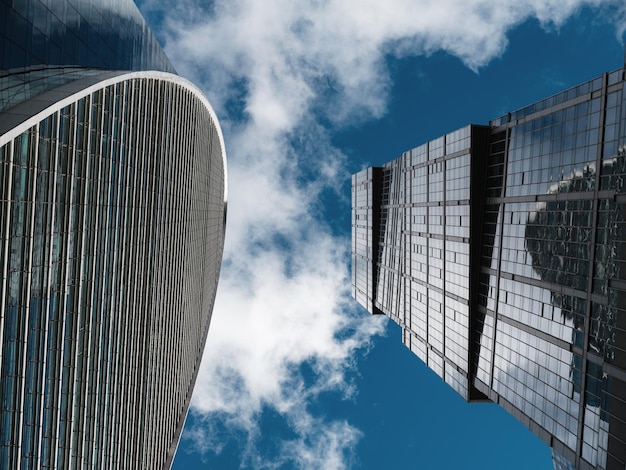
(97, 34)
(504, 264)
(112, 216)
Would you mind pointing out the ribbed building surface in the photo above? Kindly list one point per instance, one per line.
(112, 217)
(500, 251)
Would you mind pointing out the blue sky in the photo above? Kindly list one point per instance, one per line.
(295, 375)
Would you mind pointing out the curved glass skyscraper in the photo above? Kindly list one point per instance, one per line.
(112, 217)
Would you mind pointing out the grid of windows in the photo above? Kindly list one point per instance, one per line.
(364, 218)
(538, 378)
(111, 233)
(108, 35)
(551, 272)
(519, 289)
(422, 252)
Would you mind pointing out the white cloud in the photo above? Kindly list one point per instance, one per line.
(278, 72)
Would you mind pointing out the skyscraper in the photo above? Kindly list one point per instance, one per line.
(500, 251)
(112, 217)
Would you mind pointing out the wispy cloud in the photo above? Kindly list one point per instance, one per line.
(281, 74)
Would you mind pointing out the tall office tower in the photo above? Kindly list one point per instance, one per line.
(501, 252)
(112, 216)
